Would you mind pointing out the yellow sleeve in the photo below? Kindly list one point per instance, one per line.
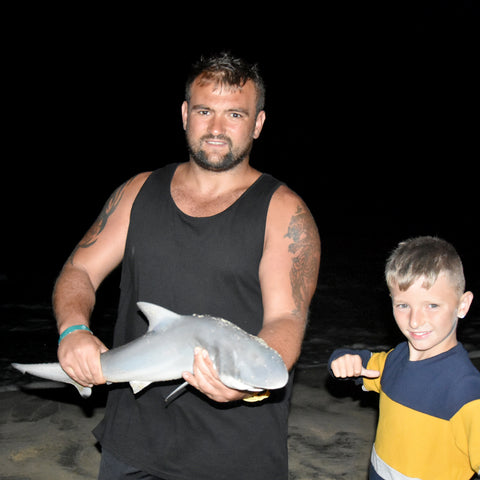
(466, 429)
(376, 362)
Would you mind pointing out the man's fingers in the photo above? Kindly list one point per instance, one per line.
(201, 374)
(79, 356)
(205, 378)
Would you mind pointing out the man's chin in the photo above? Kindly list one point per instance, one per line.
(223, 164)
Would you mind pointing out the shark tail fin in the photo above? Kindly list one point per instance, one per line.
(52, 371)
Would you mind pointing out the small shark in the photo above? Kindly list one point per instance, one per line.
(166, 350)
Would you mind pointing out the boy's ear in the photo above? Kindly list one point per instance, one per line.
(464, 304)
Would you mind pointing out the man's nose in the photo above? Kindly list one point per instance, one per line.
(216, 125)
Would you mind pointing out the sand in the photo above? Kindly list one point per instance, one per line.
(46, 434)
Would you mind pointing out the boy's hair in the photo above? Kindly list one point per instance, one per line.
(425, 257)
(226, 70)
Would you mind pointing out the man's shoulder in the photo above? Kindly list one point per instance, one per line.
(139, 179)
(287, 206)
(285, 203)
(286, 194)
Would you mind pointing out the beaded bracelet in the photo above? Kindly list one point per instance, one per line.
(72, 329)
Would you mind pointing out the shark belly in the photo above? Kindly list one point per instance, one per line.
(147, 360)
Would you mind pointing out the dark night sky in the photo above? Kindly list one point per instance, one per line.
(370, 117)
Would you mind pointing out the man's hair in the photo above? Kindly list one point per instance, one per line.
(224, 69)
(424, 257)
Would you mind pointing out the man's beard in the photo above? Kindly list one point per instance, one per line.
(227, 162)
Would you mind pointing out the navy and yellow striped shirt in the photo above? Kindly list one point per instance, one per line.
(429, 418)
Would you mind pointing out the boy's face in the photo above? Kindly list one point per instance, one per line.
(428, 317)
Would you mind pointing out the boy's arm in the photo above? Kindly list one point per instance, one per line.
(466, 429)
(474, 435)
(346, 363)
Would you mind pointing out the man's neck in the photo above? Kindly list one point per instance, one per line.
(199, 192)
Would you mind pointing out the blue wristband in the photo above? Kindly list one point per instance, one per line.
(72, 329)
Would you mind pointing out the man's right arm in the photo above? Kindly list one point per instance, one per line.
(98, 253)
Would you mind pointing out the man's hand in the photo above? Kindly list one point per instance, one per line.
(351, 366)
(79, 356)
(205, 379)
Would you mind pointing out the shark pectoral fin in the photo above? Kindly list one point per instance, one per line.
(172, 394)
(139, 386)
(85, 392)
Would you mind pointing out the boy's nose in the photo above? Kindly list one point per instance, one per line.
(416, 319)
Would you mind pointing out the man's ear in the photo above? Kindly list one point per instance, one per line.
(184, 114)
(260, 120)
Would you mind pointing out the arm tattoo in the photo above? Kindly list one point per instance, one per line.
(304, 235)
(108, 209)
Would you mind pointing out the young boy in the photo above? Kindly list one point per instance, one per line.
(429, 420)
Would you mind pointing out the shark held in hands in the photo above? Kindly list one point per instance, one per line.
(166, 350)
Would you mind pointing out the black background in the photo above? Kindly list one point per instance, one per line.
(372, 117)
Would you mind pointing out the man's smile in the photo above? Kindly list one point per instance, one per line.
(216, 141)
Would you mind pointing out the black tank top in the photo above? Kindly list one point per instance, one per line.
(203, 265)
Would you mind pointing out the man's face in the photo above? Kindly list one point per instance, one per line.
(221, 124)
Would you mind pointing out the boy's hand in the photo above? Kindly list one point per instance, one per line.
(351, 366)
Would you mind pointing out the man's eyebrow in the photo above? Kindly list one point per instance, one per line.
(243, 111)
(200, 107)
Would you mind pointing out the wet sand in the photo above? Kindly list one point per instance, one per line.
(46, 434)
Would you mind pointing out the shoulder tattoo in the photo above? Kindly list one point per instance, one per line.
(305, 256)
(98, 226)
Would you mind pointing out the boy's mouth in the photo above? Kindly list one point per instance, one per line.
(419, 335)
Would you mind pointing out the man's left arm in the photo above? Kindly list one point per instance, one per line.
(288, 273)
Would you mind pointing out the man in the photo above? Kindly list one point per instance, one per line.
(215, 236)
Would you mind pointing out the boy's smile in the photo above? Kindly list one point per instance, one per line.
(428, 317)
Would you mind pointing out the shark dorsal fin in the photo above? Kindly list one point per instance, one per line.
(159, 318)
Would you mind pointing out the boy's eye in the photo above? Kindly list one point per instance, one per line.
(433, 305)
(401, 306)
